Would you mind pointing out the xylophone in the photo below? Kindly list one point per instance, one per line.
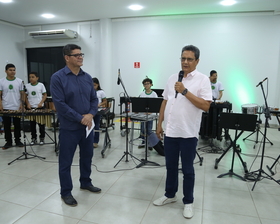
(41, 116)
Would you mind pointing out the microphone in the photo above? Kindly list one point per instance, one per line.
(119, 80)
(180, 77)
(261, 82)
(24, 88)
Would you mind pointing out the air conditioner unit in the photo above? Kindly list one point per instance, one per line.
(54, 34)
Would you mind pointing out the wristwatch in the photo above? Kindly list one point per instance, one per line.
(184, 92)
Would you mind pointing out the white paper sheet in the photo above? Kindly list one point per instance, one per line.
(88, 131)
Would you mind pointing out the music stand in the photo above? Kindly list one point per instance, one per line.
(158, 92)
(147, 105)
(257, 131)
(236, 121)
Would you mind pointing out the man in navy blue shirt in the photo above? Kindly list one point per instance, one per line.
(76, 103)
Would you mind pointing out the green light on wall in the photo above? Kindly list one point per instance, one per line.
(240, 89)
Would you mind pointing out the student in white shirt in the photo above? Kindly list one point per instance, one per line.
(36, 95)
(11, 98)
(102, 102)
(217, 87)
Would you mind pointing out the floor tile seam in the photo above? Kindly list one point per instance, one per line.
(15, 185)
(128, 197)
(10, 202)
(114, 183)
(231, 213)
(54, 213)
(43, 181)
(24, 215)
(14, 175)
(226, 188)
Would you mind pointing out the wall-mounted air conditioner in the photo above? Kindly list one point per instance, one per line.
(54, 34)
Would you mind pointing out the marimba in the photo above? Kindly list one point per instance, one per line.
(41, 116)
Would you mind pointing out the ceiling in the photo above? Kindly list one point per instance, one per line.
(28, 12)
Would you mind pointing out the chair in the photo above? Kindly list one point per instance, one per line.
(108, 119)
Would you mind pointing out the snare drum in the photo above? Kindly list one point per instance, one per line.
(250, 108)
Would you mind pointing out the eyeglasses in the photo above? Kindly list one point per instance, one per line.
(188, 59)
(77, 55)
(147, 83)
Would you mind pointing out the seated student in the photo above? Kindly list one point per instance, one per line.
(36, 95)
(147, 92)
(11, 98)
(102, 102)
(217, 87)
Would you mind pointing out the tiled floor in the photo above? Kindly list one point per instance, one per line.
(29, 188)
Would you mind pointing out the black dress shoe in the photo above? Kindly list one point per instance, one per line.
(92, 189)
(7, 145)
(19, 144)
(69, 200)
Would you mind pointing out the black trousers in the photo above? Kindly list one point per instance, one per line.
(34, 131)
(7, 121)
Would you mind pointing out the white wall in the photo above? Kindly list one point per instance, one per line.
(11, 39)
(243, 48)
(247, 46)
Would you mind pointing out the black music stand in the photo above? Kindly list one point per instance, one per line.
(126, 101)
(235, 121)
(257, 131)
(25, 154)
(147, 105)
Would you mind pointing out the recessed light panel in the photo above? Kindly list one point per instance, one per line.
(6, 1)
(47, 16)
(228, 2)
(135, 7)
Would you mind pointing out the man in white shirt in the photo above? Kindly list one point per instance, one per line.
(217, 87)
(181, 113)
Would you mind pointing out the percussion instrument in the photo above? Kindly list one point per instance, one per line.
(250, 108)
(49, 103)
(209, 126)
(143, 117)
(41, 116)
(103, 110)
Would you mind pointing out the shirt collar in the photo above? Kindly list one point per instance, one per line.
(192, 73)
(68, 71)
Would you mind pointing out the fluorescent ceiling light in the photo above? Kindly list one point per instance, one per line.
(228, 2)
(135, 7)
(48, 16)
(6, 1)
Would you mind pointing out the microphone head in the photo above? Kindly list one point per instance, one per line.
(119, 73)
(181, 75)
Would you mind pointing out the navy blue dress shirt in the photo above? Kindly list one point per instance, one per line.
(73, 96)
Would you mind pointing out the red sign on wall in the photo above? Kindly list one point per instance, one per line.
(136, 64)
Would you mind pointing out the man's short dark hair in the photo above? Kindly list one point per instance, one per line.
(192, 48)
(9, 66)
(34, 73)
(67, 49)
(212, 72)
(147, 80)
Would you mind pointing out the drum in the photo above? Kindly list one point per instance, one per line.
(250, 108)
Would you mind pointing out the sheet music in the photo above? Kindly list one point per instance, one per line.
(88, 131)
